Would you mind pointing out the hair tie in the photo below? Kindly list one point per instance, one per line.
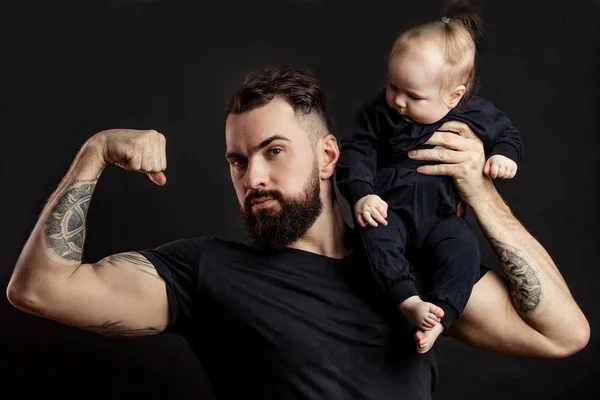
(445, 20)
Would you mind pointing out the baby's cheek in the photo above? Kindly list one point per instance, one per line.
(425, 115)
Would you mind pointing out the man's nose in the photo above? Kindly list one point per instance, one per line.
(256, 175)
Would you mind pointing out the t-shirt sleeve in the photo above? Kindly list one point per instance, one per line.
(178, 263)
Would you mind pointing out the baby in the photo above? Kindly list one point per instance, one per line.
(406, 214)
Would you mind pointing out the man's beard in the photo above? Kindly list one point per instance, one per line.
(274, 230)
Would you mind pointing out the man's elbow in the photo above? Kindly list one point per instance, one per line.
(23, 297)
(581, 337)
(577, 340)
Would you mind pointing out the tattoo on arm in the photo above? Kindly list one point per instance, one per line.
(140, 262)
(525, 287)
(65, 227)
(118, 328)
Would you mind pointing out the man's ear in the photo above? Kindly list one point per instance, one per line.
(455, 95)
(329, 152)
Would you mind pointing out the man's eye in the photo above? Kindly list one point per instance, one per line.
(237, 162)
(275, 151)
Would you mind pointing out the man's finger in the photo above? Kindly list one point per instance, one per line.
(440, 169)
(460, 127)
(440, 154)
(448, 140)
(157, 177)
(163, 152)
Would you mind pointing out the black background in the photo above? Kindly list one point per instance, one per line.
(69, 69)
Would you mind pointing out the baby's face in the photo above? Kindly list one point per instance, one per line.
(414, 85)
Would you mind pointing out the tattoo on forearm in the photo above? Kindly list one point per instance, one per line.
(118, 328)
(140, 262)
(525, 287)
(65, 227)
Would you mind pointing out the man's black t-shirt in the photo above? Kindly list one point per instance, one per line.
(289, 325)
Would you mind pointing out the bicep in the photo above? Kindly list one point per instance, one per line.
(490, 322)
(121, 295)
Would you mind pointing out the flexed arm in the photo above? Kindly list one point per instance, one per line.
(119, 295)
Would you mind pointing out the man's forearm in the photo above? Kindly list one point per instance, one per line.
(55, 246)
(537, 290)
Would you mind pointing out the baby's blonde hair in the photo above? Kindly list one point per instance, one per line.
(457, 34)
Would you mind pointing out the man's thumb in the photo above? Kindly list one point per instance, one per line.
(157, 177)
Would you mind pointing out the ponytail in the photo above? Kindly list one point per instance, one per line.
(461, 13)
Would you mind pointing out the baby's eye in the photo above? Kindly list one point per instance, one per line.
(414, 97)
(392, 87)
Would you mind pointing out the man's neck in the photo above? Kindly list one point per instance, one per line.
(329, 234)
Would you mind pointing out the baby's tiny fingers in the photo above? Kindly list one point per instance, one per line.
(360, 220)
(368, 218)
(486, 168)
(494, 171)
(502, 171)
(382, 210)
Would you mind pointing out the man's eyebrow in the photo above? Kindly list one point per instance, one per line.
(268, 141)
(261, 145)
(233, 154)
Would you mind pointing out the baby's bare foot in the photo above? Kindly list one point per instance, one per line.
(426, 339)
(423, 314)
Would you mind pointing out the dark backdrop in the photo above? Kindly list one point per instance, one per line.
(71, 68)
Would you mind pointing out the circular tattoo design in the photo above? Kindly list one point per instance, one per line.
(65, 228)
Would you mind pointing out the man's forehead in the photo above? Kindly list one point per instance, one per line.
(249, 129)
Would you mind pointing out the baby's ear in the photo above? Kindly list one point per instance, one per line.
(455, 95)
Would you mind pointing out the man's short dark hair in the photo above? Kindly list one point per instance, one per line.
(296, 86)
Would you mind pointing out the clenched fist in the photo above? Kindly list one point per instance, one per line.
(499, 166)
(134, 150)
(370, 210)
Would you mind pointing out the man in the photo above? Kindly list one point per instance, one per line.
(294, 316)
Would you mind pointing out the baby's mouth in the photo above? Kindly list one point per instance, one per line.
(406, 118)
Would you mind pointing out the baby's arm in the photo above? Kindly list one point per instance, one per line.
(357, 167)
(502, 141)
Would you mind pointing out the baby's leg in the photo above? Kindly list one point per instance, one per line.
(454, 258)
(385, 248)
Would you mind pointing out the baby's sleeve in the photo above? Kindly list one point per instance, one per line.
(494, 128)
(357, 167)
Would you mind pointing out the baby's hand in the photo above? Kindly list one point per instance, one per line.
(498, 166)
(370, 210)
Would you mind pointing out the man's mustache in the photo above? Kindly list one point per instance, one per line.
(258, 194)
